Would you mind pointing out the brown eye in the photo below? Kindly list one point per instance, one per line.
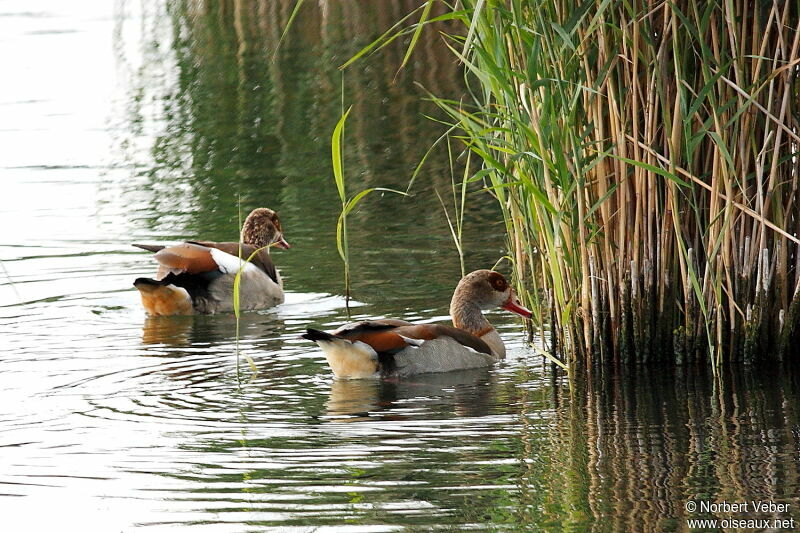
(498, 282)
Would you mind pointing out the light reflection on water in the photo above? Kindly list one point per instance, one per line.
(112, 421)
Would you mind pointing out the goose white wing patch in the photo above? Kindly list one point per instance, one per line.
(416, 343)
(230, 264)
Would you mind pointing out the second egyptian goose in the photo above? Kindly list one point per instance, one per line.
(198, 276)
(398, 348)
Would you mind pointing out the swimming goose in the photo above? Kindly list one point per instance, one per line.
(198, 276)
(398, 348)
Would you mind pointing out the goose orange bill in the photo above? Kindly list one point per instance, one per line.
(281, 243)
(513, 305)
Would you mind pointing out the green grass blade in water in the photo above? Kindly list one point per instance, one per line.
(336, 155)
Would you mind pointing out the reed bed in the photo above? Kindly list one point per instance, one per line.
(644, 155)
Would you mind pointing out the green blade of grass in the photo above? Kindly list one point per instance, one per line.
(353, 202)
(336, 155)
(298, 4)
(414, 38)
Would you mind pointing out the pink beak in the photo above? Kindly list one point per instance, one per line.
(513, 305)
(281, 243)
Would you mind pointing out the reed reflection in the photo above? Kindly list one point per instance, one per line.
(242, 113)
(631, 448)
(217, 112)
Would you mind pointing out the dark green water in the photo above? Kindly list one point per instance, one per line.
(127, 122)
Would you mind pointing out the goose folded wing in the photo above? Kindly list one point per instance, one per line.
(392, 336)
(261, 260)
(429, 332)
(193, 258)
(186, 257)
(381, 335)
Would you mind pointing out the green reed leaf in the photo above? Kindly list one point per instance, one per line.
(336, 155)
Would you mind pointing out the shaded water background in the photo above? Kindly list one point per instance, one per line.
(125, 122)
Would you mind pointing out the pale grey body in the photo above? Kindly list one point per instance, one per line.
(258, 291)
(444, 354)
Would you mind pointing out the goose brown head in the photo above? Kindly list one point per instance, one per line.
(481, 290)
(262, 227)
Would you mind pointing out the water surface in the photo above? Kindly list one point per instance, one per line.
(142, 122)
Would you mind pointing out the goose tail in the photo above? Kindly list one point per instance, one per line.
(161, 298)
(347, 359)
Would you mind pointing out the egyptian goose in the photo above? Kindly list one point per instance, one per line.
(198, 276)
(397, 348)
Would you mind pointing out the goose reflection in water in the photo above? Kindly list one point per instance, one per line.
(256, 329)
(168, 330)
(467, 393)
